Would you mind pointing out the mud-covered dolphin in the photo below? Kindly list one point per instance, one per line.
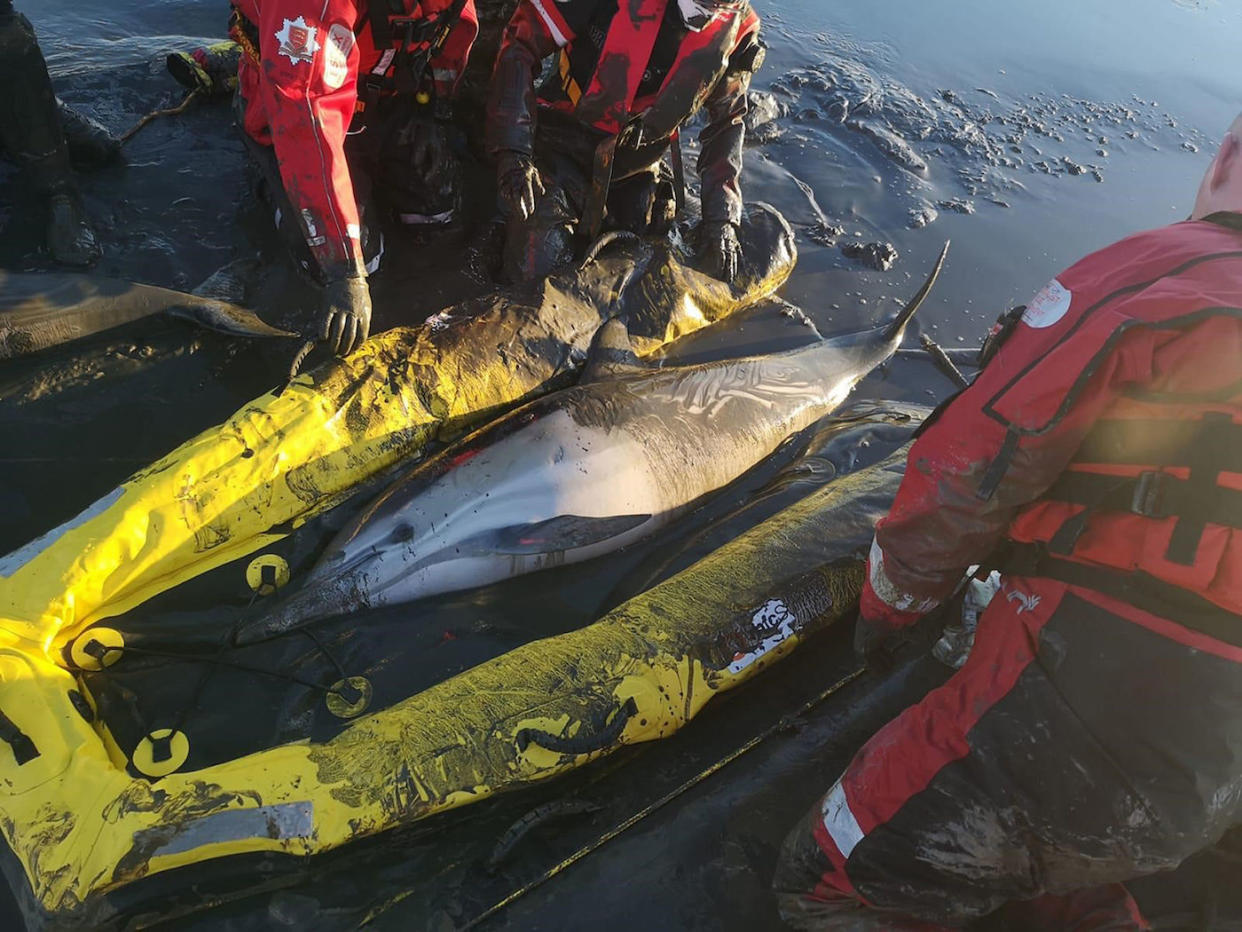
(580, 473)
(43, 309)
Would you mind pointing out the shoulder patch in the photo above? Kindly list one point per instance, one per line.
(296, 40)
(336, 55)
(1049, 306)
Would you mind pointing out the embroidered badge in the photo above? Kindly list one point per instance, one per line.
(297, 40)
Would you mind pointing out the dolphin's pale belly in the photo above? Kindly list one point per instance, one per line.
(554, 492)
(613, 464)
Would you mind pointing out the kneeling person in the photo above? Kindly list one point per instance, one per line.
(589, 141)
(343, 107)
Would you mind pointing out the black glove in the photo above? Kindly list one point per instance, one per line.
(875, 645)
(719, 250)
(345, 314)
(520, 184)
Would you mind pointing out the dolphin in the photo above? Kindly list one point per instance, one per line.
(579, 473)
(43, 309)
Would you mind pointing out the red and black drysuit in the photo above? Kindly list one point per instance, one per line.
(1095, 732)
(631, 70)
(335, 115)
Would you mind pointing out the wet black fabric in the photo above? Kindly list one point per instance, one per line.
(564, 153)
(1117, 753)
(30, 130)
(404, 163)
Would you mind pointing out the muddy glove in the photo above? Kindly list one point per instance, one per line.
(345, 314)
(520, 184)
(882, 628)
(719, 250)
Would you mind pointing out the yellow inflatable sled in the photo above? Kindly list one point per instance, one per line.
(84, 815)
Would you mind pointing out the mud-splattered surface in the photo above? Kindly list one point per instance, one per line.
(1029, 134)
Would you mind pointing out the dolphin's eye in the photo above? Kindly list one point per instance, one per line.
(403, 533)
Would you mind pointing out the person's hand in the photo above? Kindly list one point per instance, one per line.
(875, 643)
(719, 250)
(520, 184)
(881, 630)
(345, 314)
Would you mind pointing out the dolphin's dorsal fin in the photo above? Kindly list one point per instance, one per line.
(611, 355)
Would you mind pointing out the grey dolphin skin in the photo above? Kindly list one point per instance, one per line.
(579, 473)
(43, 309)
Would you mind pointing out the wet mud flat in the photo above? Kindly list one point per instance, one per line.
(867, 137)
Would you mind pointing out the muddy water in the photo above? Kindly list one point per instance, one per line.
(1029, 134)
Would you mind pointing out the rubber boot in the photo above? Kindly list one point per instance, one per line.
(90, 143)
(31, 132)
(70, 236)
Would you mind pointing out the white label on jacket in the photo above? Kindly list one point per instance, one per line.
(1049, 306)
(297, 40)
(336, 56)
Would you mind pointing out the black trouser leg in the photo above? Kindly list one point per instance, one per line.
(30, 129)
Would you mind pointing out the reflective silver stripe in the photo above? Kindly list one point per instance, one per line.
(374, 264)
(444, 75)
(557, 35)
(384, 63)
(842, 827)
(888, 593)
(281, 822)
(415, 219)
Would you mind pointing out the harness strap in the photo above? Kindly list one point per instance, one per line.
(1208, 446)
(1139, 589)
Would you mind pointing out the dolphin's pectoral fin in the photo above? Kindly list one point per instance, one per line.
(611, 355)
(564, 532)
(225, 318)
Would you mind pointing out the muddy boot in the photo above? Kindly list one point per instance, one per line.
(90, 143)
(70, 236)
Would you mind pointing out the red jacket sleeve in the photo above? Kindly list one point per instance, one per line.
(940, 523)
(534, 32)
(448, 67)
(308, 87)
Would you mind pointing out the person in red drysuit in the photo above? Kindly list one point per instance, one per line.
(626, 75)
(341, 105)
(1094, 734)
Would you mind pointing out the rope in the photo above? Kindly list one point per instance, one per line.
(156, 114)
(637, 817)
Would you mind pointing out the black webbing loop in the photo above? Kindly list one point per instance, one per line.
(161, 748)
(23, 748)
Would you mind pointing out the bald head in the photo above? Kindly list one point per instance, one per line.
(1221, 188)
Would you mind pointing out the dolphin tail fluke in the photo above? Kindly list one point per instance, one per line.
(898, 326)
(225, 318)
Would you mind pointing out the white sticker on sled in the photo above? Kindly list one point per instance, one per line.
(773, 616)
(1049, 306)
